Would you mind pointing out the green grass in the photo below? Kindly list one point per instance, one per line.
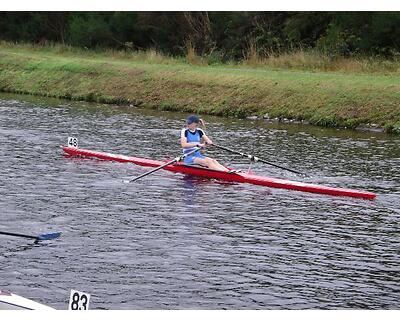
(151, 80)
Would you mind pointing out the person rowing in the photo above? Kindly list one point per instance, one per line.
(191, 137)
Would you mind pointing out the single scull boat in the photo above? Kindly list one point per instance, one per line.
(10, 301)
(227, 176)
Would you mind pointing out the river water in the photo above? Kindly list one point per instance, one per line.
(174, 242)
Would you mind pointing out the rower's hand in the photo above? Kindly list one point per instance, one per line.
(209, 142)
(201, 145)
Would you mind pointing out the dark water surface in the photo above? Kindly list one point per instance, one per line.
(173, 242)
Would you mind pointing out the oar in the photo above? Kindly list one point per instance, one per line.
(43, 236)
(256, 159)
(180, 158)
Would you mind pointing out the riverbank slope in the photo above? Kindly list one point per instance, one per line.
(321, 98)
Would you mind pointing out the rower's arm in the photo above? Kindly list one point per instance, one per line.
(206, 139)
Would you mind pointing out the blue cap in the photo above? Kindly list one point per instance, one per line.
(192, 119)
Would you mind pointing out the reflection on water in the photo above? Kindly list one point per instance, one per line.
(175, 242)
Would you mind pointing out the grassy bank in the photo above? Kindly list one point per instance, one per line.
(151, 80)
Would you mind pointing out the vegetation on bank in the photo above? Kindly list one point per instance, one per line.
(297, 86)
(216, 36)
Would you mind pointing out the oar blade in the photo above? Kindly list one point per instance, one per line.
(49, 236)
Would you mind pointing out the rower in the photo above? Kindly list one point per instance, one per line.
(191, 137)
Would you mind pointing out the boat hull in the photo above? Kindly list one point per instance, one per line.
(226, 176)
(10, 301)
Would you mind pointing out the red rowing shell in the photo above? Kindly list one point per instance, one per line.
(234, 177)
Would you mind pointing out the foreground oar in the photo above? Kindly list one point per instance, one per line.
(256, 159)
(177, 159)
(43, 236)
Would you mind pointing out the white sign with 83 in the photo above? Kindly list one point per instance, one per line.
(78, 300)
